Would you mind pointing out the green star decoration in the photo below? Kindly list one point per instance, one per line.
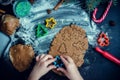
(41, 31)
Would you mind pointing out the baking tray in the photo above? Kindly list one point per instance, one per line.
(4, 43)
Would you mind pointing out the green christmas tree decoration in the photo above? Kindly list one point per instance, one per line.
(41, 31)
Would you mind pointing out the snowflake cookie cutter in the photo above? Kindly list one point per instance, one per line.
(103, 40)
(41, 31)
(50, 22)
(58, 62)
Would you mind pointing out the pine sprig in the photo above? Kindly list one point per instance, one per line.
(115, 2)
(92, 4)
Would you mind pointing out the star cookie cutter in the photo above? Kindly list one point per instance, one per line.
(58, 62)
(40, 31)
(103, 40)
(50, 22)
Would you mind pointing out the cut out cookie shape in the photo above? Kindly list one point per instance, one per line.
(75, 46)
(62, 49)
(66, 35)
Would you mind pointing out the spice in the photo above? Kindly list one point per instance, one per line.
(49, 11)
(58, 5)
(2, 11)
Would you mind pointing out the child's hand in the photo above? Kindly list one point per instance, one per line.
(71, 70)
(42, 66)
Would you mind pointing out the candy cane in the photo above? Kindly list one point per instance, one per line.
(104, 15)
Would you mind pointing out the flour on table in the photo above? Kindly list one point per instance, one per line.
(65, 15)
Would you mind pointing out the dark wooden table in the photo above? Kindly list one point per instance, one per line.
(98, 68)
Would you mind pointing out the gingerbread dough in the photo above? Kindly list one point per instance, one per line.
(71, 41)
(9, 24)
(21, 56)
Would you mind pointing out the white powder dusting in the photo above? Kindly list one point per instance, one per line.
(65, 15)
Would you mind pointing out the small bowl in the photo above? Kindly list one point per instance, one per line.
(21, 8)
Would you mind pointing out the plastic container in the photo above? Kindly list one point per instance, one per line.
(21, 8)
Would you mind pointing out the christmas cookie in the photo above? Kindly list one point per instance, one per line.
(71, 41)
(21, 56)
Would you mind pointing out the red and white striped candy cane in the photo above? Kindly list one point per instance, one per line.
(104, 15)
